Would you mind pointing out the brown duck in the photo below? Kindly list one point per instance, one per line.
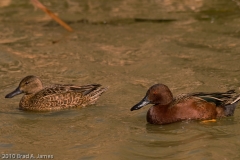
(194, 106)
(55, 97)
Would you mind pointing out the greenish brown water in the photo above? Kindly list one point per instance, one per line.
(128, 45)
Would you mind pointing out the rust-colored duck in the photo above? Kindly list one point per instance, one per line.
(194, 106)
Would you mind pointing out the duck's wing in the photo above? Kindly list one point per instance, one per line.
(219, 98)
(64, 88)
(85, 89)
(227, 100)
(66, 96)
(58, 91)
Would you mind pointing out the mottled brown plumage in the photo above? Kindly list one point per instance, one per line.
(55, 97)
(195, 106)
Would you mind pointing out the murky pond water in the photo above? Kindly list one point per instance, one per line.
(128, 45)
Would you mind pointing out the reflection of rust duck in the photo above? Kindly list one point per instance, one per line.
(195, 106)
(55, 97)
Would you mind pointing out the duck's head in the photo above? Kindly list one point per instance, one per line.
(158, 94)
(29, 85)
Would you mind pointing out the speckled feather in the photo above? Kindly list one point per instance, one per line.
(57, 96)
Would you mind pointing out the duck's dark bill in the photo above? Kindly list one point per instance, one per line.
(141, 104)
(14, 93)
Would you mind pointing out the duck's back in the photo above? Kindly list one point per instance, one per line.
(59, 97)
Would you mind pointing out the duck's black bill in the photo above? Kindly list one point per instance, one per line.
(141, 104)
(14, 93)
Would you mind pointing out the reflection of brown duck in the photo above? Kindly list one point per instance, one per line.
(55, 97)
(195, 106)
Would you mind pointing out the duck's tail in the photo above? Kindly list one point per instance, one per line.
(231, 106)
(227, 100)
(95, 94)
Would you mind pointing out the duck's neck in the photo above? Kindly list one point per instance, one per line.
(166, 97)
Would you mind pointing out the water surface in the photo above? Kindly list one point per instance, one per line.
(128, 45)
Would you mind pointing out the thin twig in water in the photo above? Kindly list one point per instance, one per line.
(51, 14)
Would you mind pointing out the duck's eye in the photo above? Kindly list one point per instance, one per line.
(154, 93)
(27, 82)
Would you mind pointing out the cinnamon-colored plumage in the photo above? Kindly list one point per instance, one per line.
(194, 106)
